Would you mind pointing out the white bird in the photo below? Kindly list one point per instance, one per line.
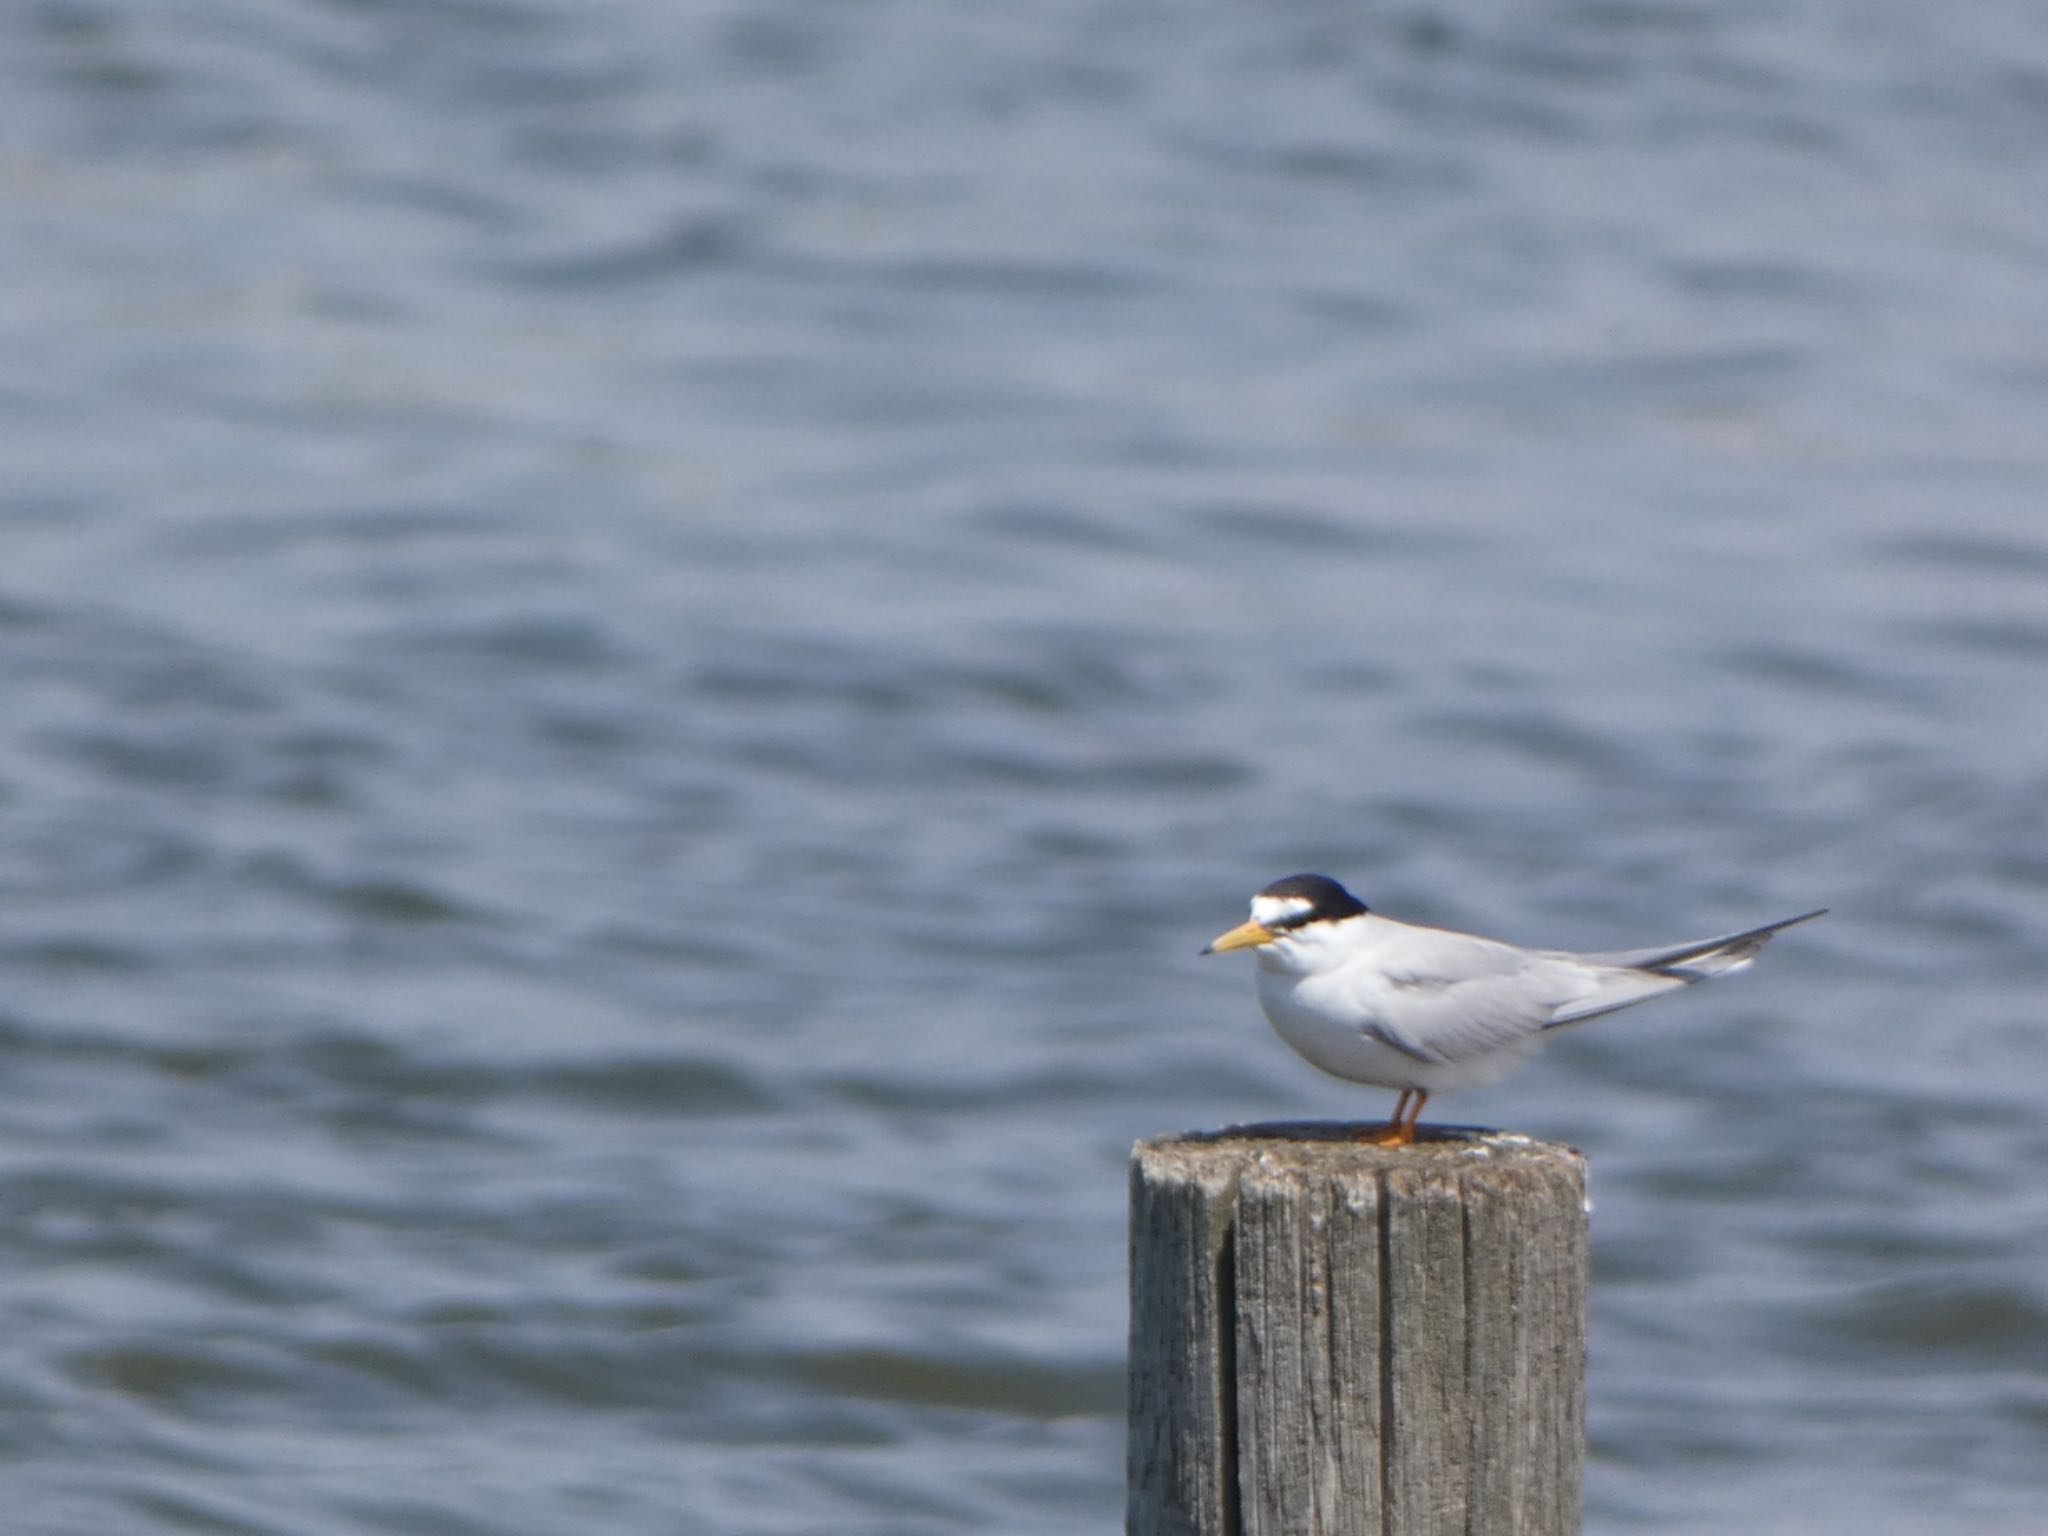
(1430, 1010)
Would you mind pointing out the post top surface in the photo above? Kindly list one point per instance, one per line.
(1328, 1148)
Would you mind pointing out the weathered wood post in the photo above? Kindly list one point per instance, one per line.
(1335, 1338)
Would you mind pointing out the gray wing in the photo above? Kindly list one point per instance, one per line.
(1450, 998)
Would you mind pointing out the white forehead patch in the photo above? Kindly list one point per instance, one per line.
(1278, 911)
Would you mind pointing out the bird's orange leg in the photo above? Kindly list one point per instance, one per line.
(1414, 1116)
(1400, 1127)
(1400, 1131)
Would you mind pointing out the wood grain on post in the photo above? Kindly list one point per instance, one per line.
(1335, 1338)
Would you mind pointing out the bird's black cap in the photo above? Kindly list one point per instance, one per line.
(1327, 900)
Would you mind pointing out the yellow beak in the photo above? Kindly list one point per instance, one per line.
(1243, 936)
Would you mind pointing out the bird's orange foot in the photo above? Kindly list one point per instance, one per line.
(1399, 1131)
(1395, 1133)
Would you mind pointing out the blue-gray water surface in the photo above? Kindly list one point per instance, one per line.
(638, 640)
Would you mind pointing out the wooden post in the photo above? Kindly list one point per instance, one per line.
(1334, 1338)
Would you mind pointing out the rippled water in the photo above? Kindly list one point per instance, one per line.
(638, 640)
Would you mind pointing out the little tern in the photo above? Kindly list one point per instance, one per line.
(1430, 1010)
